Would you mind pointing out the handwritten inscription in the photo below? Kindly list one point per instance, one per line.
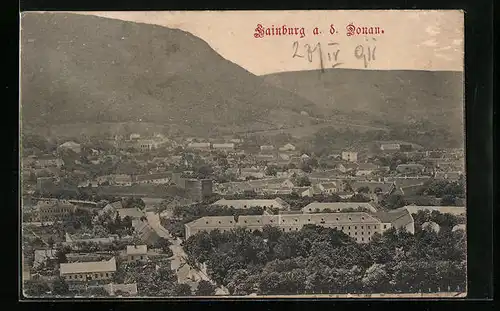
(332, 55)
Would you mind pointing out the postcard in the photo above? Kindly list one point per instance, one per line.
(243, 154)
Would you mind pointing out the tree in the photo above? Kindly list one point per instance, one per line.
(50, 241)
(271, 170)
(448, 199)
(302, 181)
(96, 292)
(364, 189)
(205, 288)
(394, 201)
(35, 289)
(60, 287)
(182, 290)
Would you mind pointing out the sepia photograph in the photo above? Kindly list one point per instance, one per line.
(264, 154)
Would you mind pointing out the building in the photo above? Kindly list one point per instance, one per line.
(346, 167)
(245, 204)
(338, 207)
(145, 232)
(358, 225)
(252, 172)
(287, 147)
(69, 240)
(48, 160)
(401, 219)
(451, 176)
(328, 187)
(350, 156)
(266, 148)
(137, 253)
(390, 147)
(410, 168)
(223, 147)
(70, 145)
(53, 210)
(88, 271)
(198, 189)
(454, 210)
(365, 169)
(157, 179)
(199, 146)
(146, 145)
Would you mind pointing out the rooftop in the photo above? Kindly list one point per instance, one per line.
(88, 267)
(336, 206)
(284, 219)
(137, 249)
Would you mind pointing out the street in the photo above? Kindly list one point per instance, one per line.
(185, 273)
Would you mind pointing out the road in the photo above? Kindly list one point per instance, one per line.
(185, 273)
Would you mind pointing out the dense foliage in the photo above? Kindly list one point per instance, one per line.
(323, 260)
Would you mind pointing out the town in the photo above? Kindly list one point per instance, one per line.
(151, 215)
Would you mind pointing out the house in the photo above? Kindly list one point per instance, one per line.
(451, 176)
(87, 271)
(365, 169)
(338, 207)
(400, 219)
(266, 148)
(328, 187)
(223, 147)
(70, 145)
(199, 146)
(145, 232)
(245, 204)
(252, 172)
(146, 145)
(390, 147)
(287, 147)
(350, 156)
(122, 180)
(48, 160)
(346, 167)
(410, 168)
(134, 136)
(137, 253)
(157, 179)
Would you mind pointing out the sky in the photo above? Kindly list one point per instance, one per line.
(412, 40)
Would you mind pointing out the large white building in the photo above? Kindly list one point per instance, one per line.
(358, 225)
